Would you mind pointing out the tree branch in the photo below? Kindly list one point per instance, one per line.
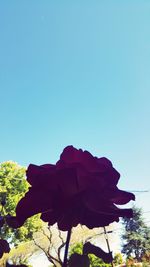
(47, 253)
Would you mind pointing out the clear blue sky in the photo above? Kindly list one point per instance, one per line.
(77, 72)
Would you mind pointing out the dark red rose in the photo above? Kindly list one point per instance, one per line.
(79, 188)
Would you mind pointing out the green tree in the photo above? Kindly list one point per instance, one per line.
(118, 259)
(18, 255)
(136, 236)
(13, 186)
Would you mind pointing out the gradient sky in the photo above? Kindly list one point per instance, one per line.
(77, 72)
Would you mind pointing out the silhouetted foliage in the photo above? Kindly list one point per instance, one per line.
(4, 247)
(93, 260)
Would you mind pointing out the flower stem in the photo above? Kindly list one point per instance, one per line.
(66, 248)
(106, 238)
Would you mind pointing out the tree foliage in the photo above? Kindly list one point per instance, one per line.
(136, 236)
(18, 255)
(21, 254)
(118, 259)
(13, 186)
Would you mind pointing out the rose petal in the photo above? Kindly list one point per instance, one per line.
(41, 176)
(35, 201)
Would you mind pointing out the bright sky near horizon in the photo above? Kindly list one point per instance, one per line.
(77, 72)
